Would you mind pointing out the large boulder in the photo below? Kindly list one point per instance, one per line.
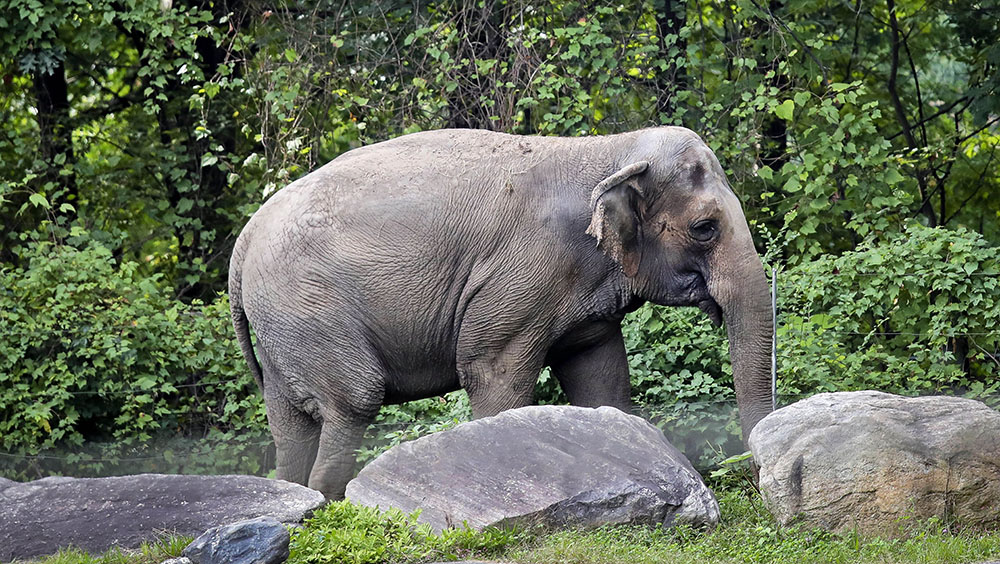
(548, 465)
(95, 514)
(868, 461)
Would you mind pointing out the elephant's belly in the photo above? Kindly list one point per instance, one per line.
(420, 382)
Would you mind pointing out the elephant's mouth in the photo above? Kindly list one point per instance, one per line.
(709, 306)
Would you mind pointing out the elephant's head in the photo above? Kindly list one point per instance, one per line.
(670, 219)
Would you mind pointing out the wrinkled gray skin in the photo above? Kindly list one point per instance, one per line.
(469, 259)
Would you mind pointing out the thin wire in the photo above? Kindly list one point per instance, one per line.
(774, 339)
(149, 390)
(801, 330)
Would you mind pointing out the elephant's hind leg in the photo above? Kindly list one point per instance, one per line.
(296, 439)
(338, 444)
(348, 387)
(295, 432)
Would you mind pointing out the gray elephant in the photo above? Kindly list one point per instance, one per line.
(470, 259)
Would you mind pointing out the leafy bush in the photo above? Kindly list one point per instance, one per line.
(95, 351)
(682, 380)
(912, 312)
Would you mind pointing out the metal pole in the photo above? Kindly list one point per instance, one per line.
(774, 338)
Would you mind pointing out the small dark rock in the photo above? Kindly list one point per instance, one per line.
(263, 540)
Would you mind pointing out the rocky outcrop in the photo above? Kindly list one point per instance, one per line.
(868, 460)
(40, 517)
(549, 465)
(263, 540)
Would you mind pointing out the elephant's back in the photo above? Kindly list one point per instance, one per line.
(441, 167)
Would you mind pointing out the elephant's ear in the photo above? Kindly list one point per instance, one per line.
(615, 220)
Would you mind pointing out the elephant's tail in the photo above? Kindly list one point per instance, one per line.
(240, 322)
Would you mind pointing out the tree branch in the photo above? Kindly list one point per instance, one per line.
(805, 48)
(938, 114)
(916, 85)
(978, 184)
(897, 105)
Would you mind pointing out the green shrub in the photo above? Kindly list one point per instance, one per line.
(682, 380)
(913, 313)
(95, 351)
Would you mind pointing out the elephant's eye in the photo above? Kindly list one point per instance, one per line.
(704, 230)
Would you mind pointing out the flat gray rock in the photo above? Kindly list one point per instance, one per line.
(871, 461)
(40, 517)
(550, 465)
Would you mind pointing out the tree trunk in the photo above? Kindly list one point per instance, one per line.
(202, 234)
(671, 16)
(481, 37)
(56, 135)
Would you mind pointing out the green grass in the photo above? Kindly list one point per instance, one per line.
(747, 533)
(348, 534)
(149, 553)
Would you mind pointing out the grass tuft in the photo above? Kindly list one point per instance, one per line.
(350, 534)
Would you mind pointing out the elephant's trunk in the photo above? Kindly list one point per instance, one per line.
(744, 297)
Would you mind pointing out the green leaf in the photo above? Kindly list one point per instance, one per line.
(892, 176)
(785, 110)
(39, 201)
(290, 55)
(839, 86)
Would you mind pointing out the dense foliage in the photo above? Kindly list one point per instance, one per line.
(862, 139)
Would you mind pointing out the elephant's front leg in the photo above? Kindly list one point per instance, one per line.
(594, 373)
(499, 376)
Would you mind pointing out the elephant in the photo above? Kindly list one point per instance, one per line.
(469, 259)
